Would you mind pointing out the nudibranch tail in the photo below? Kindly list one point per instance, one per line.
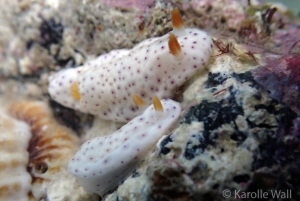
(174, 47)
(176, 19)
(138, 100)
(157, 104)
(75, 91)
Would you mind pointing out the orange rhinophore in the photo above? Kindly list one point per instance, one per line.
(174, 46)
(176, 19)
(138, 100)
(157, 104)
(75, 91)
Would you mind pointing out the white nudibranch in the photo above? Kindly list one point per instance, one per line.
(104, 87)
(103, 162)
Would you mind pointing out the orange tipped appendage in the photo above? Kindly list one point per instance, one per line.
(176, 19)
(157, 104)
(75, 91)
(138, 100)
(174, 45)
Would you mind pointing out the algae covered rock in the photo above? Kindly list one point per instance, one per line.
(233, 138)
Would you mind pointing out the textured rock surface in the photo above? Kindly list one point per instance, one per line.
(232, 136)
(281, 76)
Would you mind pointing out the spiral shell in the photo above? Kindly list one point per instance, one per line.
(49, 145)
(15, 181)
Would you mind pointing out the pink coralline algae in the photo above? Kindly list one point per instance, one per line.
(296, 128)
(129, 4)
(281, 77)
(231, 12)
(287, 40)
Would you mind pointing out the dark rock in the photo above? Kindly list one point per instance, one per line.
(51, 33)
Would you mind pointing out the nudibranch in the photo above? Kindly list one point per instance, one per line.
(103, 162)
(104, 87)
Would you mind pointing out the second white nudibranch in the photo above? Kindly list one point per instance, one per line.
(104, 87)
(103, 162)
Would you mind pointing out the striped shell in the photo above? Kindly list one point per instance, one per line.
(15, 181)
(31, 174)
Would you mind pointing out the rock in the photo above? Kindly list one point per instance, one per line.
(233, 135)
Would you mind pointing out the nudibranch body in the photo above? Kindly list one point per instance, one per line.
(104, 87)
(103, 162)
